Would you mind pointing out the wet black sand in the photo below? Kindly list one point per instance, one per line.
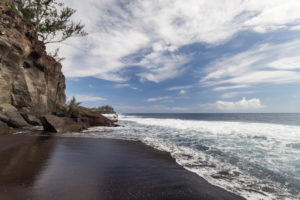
(87, 168)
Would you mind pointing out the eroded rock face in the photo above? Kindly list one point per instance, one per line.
(30, 80)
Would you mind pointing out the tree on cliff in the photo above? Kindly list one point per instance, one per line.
(51, 19)
(73, 102)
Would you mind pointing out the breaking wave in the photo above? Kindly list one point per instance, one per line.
(255, 160)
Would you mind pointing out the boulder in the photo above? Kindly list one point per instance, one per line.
(31, 119)
(4, 128)
(10, 115)
(56, 124)
(99, 121)
(93, 118)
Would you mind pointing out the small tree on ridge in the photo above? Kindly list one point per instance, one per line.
(51, 19)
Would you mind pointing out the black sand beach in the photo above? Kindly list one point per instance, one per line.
(85, 168)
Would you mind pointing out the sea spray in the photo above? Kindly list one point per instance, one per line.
(256, 160)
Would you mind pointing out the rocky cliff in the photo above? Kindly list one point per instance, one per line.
(31, 82)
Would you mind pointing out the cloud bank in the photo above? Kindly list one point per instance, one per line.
(243, 105)
(263, 64)
(146, 35)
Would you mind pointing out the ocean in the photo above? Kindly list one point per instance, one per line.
(254, 155)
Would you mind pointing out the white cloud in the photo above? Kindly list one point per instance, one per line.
(151, 109)
(124, 85)
(267, 63)
(120, 29)
(295, 28)
(243, 105)
(158, 99)
(266, 77)
(179, 88)
(230, 87)
(230, 95)
(182, 92)
(288, 63)
(273, 14)
(182, 89)
(121, 85)
(86, 98)
(160, 67)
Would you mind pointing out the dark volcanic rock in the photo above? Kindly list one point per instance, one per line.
(29, 78)
(99, 121)
(32, 120)
(56, 124)
(93, 118)
(75, 120)
(31, 82)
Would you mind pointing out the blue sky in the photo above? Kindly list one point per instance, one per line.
(186, 56)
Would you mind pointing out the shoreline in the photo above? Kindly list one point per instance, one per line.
(48, 167)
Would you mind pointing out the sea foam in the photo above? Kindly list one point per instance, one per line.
(255, 160)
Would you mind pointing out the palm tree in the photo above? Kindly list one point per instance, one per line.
(73, 103)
